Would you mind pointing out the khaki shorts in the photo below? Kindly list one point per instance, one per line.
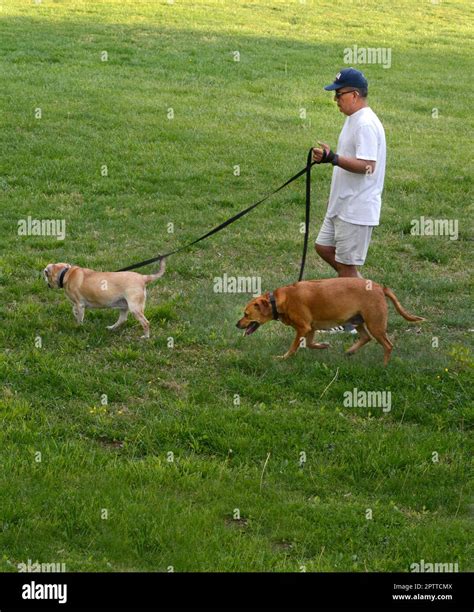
(351, 240)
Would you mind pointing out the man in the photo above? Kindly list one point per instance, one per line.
(357, 179)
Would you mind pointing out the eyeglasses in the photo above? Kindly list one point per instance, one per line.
(338, 95)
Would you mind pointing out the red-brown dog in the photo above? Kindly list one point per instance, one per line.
(321, 304)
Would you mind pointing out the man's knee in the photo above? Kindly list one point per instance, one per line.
(323, 250)
(345, 270)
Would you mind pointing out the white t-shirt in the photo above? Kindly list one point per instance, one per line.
(357, 198)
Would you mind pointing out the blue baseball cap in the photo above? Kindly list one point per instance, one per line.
(348, 77)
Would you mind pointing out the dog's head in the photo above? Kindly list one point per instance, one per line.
(51, 273)
(257, 312)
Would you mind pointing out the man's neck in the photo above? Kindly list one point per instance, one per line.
(358, 109)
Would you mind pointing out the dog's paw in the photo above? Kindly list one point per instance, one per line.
(285, 356)
(144, 337)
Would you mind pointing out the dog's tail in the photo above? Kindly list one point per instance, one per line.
(149, 278)
(406, 315)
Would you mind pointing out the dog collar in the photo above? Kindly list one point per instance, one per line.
(274, 306)
(61, 277)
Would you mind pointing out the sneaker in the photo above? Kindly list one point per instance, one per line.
(347, 327)
(333, 330)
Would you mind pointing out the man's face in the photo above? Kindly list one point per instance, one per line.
(346, 99)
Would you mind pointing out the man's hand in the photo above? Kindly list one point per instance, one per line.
(323, 154)
(318, 153)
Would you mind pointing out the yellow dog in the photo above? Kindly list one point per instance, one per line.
(90, 289)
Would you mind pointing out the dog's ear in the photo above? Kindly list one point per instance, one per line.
(263, 304)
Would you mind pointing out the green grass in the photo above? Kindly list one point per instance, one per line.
(180, 513)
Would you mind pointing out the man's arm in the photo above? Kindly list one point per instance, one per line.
(351, 164)
(359, 166)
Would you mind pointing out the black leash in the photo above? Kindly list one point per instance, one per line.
(307, 212)
(306, 170)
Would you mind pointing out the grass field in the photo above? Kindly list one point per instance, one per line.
(174, 472)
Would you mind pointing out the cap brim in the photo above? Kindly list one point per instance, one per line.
(333, 86)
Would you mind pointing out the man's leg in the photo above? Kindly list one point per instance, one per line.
(345, 270)
(328, 253)
(326, 243)
(352, 243)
